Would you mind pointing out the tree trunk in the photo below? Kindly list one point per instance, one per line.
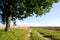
(7, 23)
(8, 19)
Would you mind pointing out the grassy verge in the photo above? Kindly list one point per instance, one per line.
(35, 36)
(14, 35)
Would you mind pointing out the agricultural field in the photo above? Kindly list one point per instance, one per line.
(29, 34)
(50, 34)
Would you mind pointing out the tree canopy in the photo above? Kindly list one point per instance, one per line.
(24, 8)
(20, 9)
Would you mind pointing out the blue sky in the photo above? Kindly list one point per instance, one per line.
(50, 19)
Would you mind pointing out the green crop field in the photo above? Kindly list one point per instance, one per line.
(54, 35)
(29, 34)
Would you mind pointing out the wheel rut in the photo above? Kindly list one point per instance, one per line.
(46, 37)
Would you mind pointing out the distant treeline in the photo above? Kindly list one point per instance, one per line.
(49, 28)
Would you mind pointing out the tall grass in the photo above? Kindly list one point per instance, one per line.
(14, 35)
